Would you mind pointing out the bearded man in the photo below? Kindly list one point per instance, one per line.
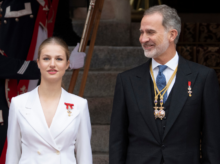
(165, 107)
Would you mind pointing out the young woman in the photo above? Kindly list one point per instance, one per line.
(49, 125)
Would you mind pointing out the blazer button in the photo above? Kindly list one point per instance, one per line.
(58, 153)
(16, 19)
(163, 146)
(5, 21)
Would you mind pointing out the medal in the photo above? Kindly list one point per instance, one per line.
(69, 107)
(189, 89)
(156, 111)
(160, 113)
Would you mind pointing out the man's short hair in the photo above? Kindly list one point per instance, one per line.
(171, 20)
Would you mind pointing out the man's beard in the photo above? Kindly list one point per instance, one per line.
(158, 50)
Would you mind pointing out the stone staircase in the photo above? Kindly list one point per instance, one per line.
(107, 62)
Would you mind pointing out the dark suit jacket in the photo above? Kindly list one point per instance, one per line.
(134, 136)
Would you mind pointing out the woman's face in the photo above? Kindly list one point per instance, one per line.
(52, 63)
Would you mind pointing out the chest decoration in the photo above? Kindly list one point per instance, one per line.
(69, 107)
(189, 89)
(160, 93)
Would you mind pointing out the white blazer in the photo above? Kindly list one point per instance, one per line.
(30, 141)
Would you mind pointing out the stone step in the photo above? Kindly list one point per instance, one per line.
(100, 159)
(110, 33)
(100, 138)
(100, 133)
(116, 58)
(100, 110)
(99, 84)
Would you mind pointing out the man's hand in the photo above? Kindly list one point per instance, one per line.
(77, 58)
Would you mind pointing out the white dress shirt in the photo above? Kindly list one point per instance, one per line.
(171, 66)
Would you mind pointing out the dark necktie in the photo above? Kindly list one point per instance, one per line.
(161, 81)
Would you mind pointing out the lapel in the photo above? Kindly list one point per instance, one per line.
(61, 119)
(142, 91)
(34, 115)
(180, 92)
